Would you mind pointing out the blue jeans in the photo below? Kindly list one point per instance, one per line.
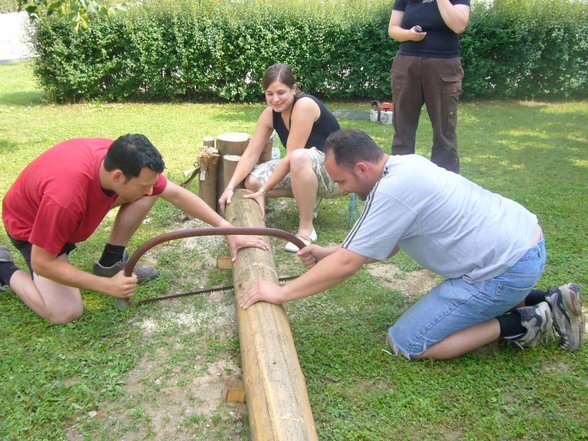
(457, 304)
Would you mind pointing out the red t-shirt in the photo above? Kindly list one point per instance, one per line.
(57, 198)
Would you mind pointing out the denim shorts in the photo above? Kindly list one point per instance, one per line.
(457, 304)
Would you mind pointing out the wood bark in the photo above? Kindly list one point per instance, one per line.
(275, 388)
(208, 141)
(229, 166)
(233, 143)
(207, 177)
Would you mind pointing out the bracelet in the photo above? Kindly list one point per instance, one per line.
(230, 189)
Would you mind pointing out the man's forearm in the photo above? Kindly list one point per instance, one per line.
(327, 273)
(66, 274)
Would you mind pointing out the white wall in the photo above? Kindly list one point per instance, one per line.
(13, 37)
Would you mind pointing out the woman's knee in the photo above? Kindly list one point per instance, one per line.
(300, 160)
(252, 183)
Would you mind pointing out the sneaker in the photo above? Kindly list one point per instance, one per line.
(5, 257)
(568, 320)
(307, 240)
(143, 273)
(537, 320)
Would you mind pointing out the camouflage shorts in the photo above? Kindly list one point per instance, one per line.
(326, 187)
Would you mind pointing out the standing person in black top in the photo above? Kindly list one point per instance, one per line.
(303, 124)
(427, 70)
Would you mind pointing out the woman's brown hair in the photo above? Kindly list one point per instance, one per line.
(279, 72)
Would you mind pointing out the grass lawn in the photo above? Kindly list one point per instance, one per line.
(156, 371)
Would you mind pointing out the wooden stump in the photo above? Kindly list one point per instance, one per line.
(208, 141)
(207, 178)
(275, 388)
(233, 143)
(229, 166)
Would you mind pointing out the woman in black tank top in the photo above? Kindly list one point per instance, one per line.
(303, 123)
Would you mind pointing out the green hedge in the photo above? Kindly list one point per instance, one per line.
(8, 6)
(214, 50)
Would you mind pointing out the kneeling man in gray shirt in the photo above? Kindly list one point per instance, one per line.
(489, 248)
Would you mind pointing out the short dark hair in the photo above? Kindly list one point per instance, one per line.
(132, 153)
(279, 72)
(351, 146)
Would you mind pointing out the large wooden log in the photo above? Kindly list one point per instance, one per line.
(275, 388)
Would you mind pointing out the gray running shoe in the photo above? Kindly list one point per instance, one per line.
(5, 256)
(568, 320)
(537, 320)
(143, 273)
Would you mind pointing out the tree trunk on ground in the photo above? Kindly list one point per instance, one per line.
(275, 387)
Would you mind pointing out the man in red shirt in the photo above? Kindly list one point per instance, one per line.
(61, 197)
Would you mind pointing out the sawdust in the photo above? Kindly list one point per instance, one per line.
(412, 284)
(183, 400)
(188, 398)
(218, 316)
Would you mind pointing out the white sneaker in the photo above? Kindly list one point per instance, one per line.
(307, 240)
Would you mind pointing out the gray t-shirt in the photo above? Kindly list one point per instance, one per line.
(445, 222)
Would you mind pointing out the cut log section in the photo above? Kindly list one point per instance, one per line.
(207, 178)
(208, 141)
(233, 143)
(275, 388)
(229, 166)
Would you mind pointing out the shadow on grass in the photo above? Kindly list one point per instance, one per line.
(243, 114)
(25, 99)
(8, 147)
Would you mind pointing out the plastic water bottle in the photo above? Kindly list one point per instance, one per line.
(352, 210)
(276, 154)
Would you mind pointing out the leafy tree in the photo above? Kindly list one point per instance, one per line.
(79, 12)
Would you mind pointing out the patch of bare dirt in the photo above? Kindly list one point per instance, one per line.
(412, 284)
(183, 398)
(174, 396)
(176, 391)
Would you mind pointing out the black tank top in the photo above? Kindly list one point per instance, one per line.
(322, 127)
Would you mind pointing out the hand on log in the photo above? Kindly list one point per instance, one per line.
(263, 291)
(259, 197)
(239, 241)
(225, 199)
